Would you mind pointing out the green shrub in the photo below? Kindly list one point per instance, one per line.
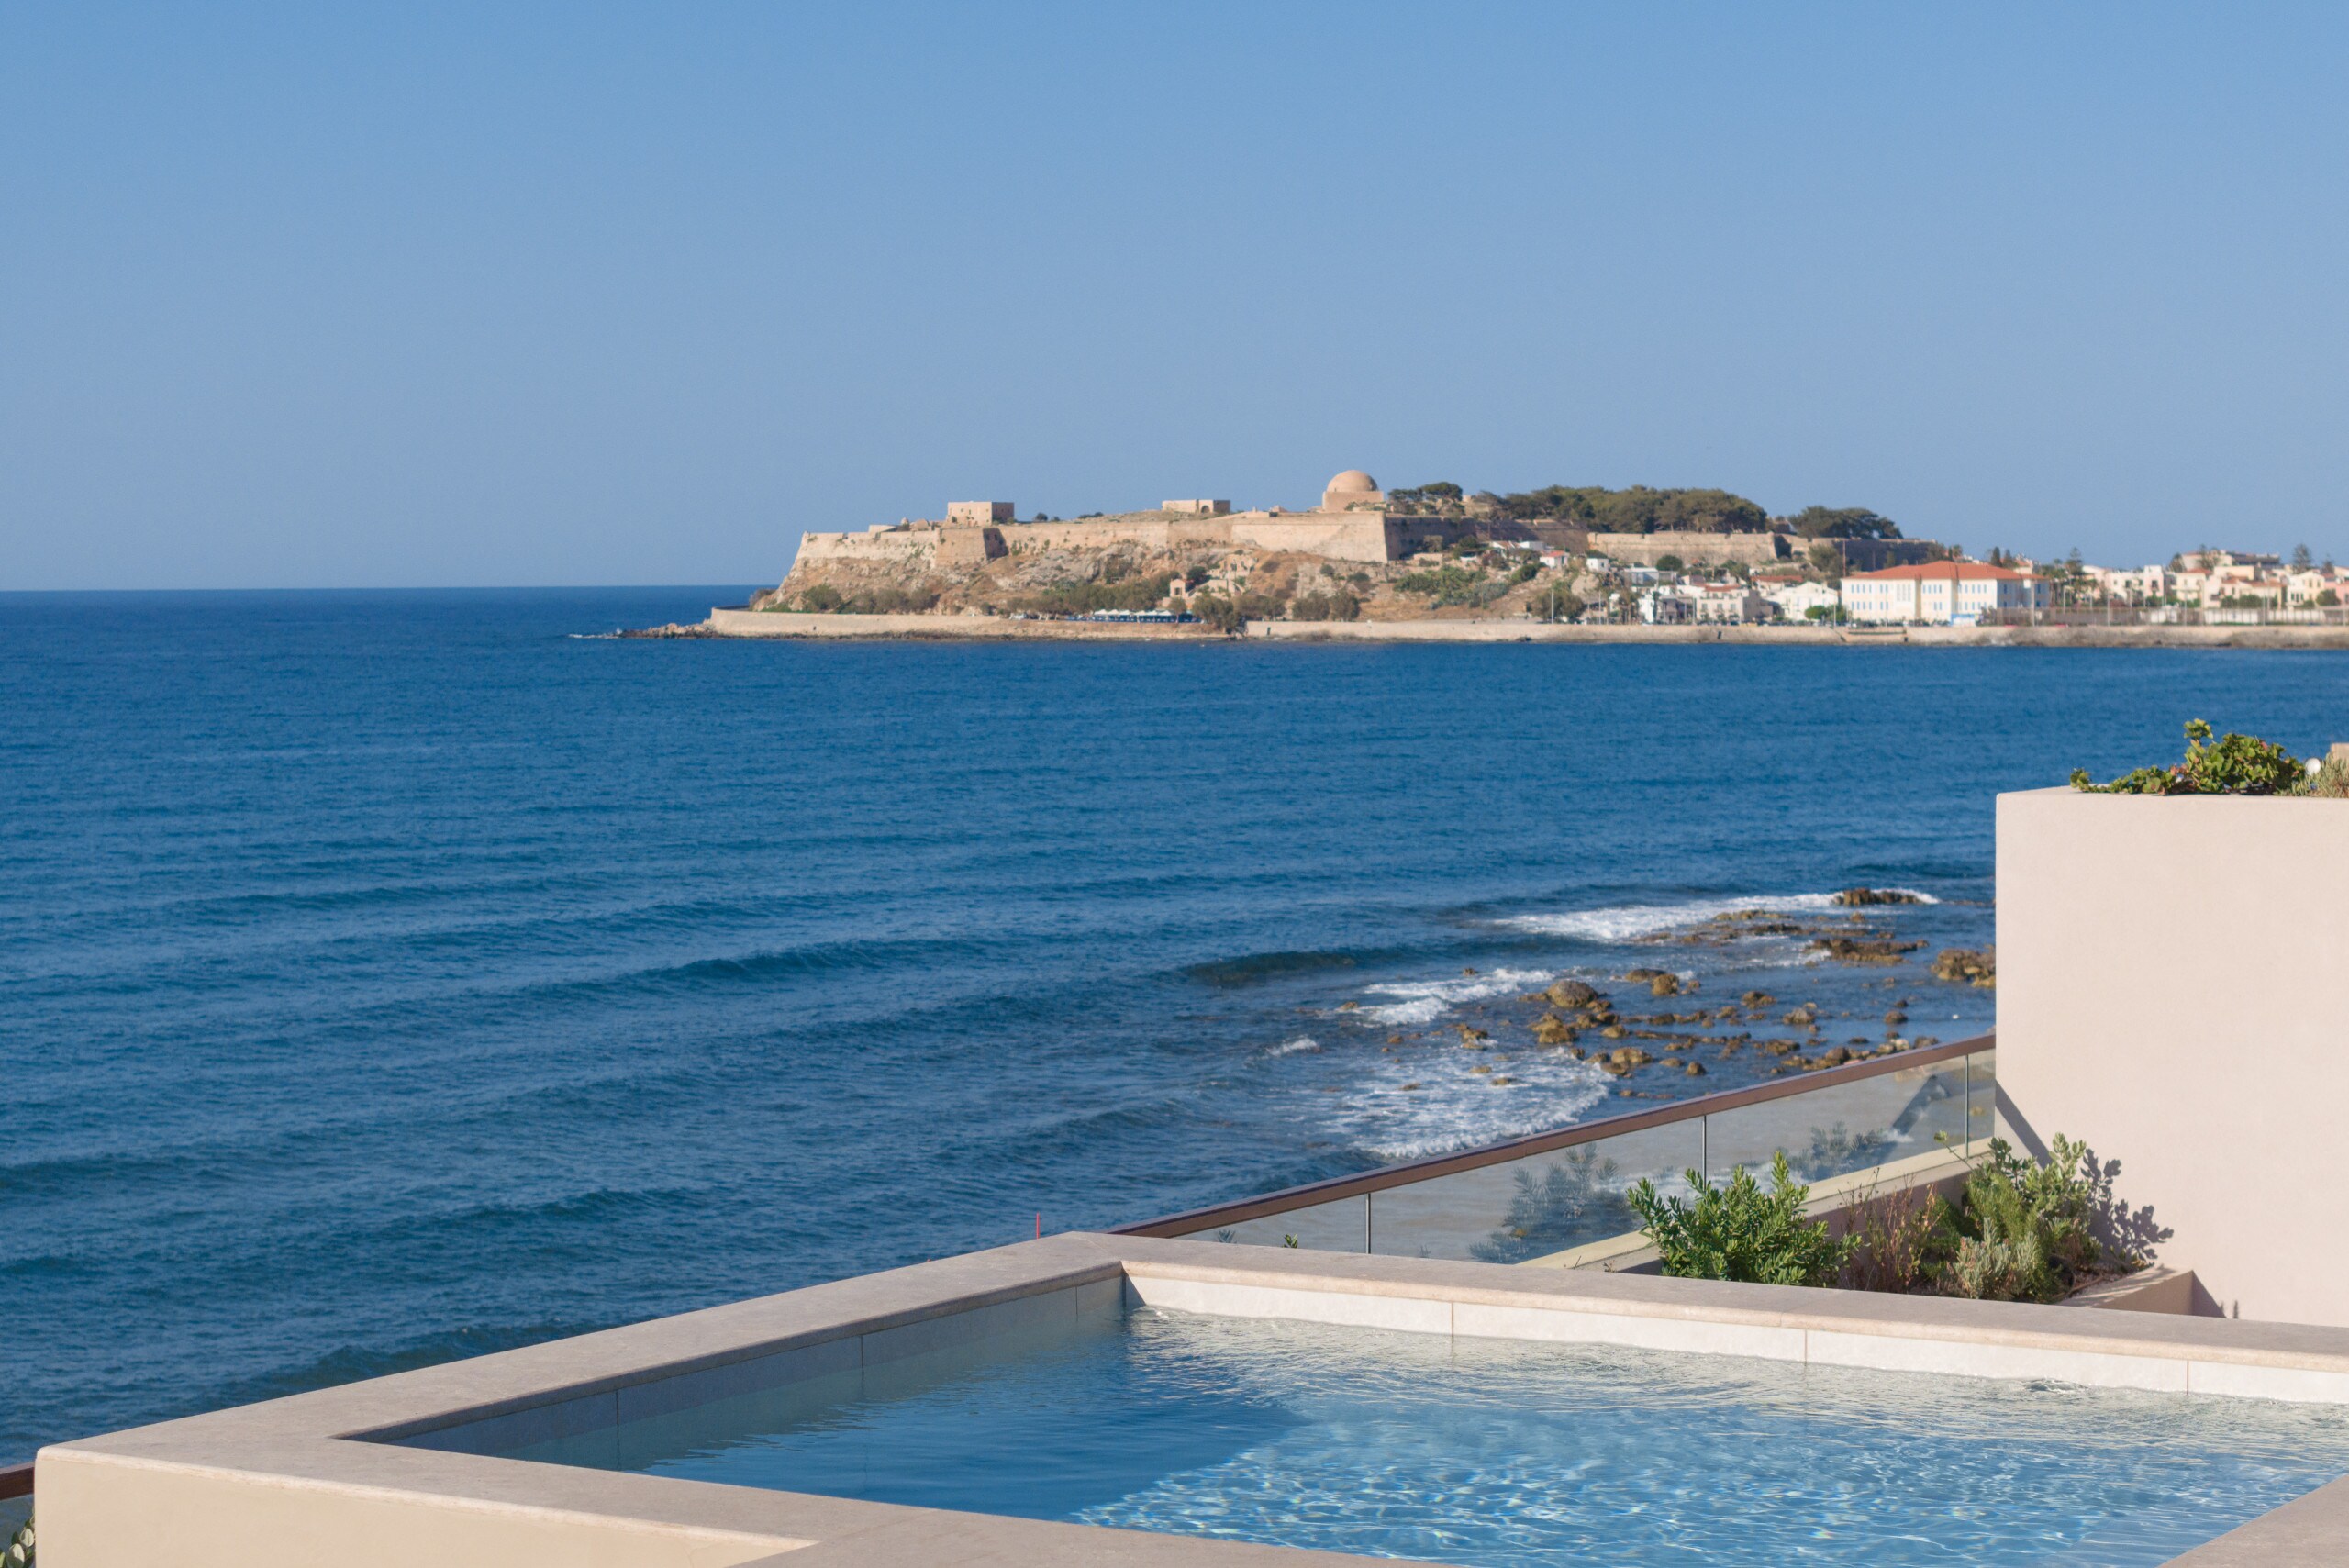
(19, 1554)
(889, 602)
(823, 598)
(1442, 580)
(1229, 616)
(1670, 563)
(2235, 764)
(1219, 612)
(2023, 1233)
(1739, 1231)
(1336, 604)
(1524, 573)
(1084, 598)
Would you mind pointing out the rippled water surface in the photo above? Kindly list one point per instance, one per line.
(1503, 1454)
(387, 977)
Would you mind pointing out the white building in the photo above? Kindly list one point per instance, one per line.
(1797, 600)
(2310, 587)
(2137, 585)
(1730, 603)
(1941, 593)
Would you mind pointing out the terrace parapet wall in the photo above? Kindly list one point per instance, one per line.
(2170, 991)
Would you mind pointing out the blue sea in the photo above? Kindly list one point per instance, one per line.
(389, 977)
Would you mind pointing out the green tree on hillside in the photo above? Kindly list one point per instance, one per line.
(1638, 511)
(1843, 522)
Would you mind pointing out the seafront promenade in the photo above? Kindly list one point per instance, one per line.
(745, 623)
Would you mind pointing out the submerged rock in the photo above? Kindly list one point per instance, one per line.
(1861, 896)
(1861, 949)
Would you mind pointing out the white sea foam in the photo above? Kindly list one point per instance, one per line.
(1424, 1001)
(1291, 1047)
(1456, 1108)
(1631, 922)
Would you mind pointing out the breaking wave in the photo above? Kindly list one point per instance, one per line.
(1424, 1001)
(1632, 922)
(1452, 1108)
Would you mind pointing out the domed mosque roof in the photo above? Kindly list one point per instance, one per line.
(1353, 481)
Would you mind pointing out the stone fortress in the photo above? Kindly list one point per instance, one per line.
(1354, 522)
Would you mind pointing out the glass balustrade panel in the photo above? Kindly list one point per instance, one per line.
(1321, 1227)
(1834, 1131)
(1517, 1211)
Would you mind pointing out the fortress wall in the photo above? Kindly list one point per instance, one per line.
(1147, 532)
(969, 547)
(914, 544)
(1407, 535)
(1646, 550)
(1341, 536)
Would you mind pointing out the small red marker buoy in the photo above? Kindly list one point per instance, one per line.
(1039, 1225)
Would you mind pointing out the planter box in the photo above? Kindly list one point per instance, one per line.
(2173, 989)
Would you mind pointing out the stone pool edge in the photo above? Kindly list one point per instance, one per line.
(347, 1474)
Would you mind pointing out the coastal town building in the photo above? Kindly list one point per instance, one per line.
(1797, 600)
(1667, 606)
(962, 513)
(2310, 587)
(1940, 592)
(1730, 604)
(2137, 585)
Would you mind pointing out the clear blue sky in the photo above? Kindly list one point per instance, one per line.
(471, 293)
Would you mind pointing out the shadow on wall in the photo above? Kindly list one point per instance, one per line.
(2131, 1232)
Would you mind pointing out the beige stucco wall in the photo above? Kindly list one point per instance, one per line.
(2171, 990)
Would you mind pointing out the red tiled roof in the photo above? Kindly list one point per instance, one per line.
(1938, 571)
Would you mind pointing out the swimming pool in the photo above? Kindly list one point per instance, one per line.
(1501, 1453)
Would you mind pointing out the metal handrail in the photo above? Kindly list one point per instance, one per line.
(1386, 1176)
(17, 1481)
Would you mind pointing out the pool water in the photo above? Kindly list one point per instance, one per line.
(1499, 1453)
